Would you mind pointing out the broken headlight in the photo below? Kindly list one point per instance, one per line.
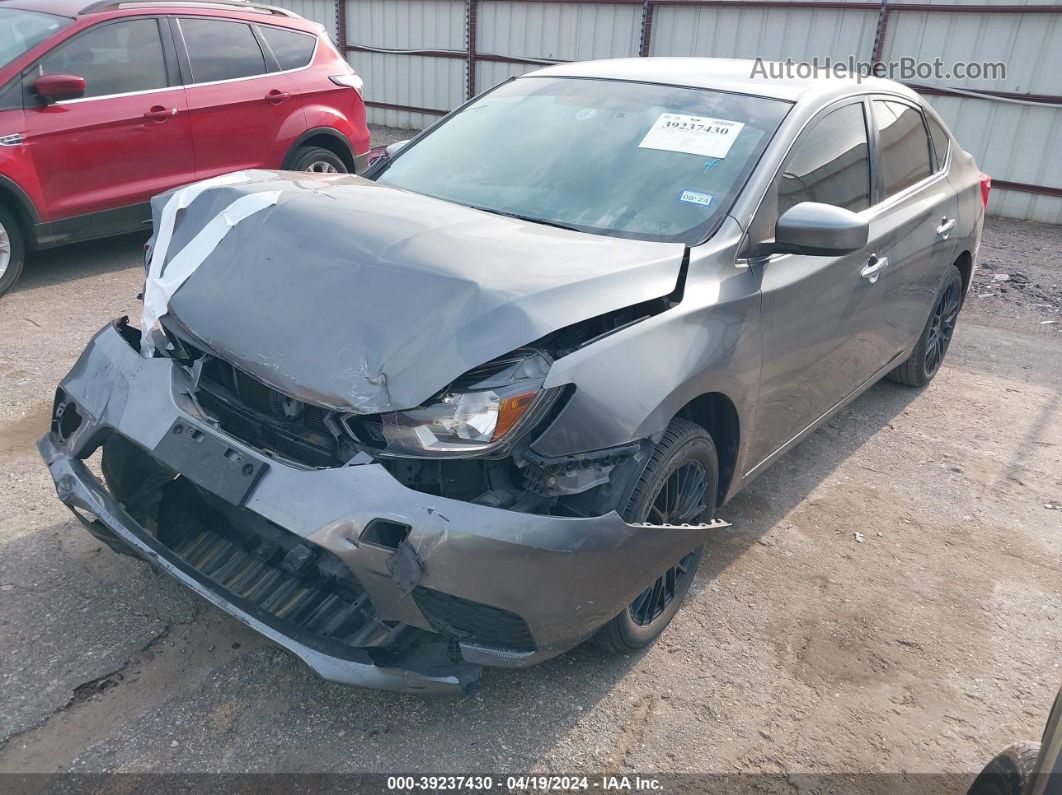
(482, 412)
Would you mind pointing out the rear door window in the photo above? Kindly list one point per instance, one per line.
(830, 163)
(904, 145)
(292, 50)
(221, 50)
(114, 58)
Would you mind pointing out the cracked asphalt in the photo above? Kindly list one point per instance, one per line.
(926, 646)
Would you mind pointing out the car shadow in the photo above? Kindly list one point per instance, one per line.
(576, 681)
(56, 266)
(786, 484)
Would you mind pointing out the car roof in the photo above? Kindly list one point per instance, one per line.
(75, 8)
(725, 74)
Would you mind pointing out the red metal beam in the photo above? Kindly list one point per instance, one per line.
(950, 8)
(455, 54)
(1042, 190)
(945, 91)
(425, 53)
(407, 108)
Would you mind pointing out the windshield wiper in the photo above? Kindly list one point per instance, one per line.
(533, 220)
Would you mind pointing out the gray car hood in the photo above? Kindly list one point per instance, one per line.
(366, 298)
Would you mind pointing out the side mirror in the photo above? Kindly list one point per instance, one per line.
(381, 154)
(56, 88)
(820, 230)
(395, 148)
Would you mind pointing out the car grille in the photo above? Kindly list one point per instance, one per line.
(300, 589)
(473, 622)
(264, 418)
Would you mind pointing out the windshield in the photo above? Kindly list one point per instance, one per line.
(21, 30)
(625, 159)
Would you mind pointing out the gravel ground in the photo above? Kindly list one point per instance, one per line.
(924, 645)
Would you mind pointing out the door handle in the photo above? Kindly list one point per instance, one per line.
(276, 96)
(159, 113)
(945, 227)
(874, 267)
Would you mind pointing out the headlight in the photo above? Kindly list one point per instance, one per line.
(482, 412)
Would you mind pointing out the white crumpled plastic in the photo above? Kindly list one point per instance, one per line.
(160, 286)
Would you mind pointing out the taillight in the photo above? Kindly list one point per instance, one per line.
(986, 186)
(350, 80)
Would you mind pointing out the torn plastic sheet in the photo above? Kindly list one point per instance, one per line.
(161, 284)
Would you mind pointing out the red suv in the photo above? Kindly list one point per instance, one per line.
(104, 105)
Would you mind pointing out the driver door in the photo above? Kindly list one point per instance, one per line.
(127, 139)
(821, 333)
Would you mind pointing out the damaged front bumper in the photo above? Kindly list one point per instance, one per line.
(503, 588)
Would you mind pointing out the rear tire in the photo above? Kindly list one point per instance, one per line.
(318, 160)
(1010, 773)
(684, 465)
(925, 360)
(12, 250)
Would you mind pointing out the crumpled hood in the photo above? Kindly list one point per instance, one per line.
(362, 297)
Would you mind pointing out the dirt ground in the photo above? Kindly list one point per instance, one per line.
(888, 598)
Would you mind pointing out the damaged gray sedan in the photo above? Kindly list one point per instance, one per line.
(482, 404)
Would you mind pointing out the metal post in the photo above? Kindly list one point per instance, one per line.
(647, 29)
(471, 9)
(879, 34)
(341, 26)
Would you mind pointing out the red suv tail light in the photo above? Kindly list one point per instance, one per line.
(986, 186)
(350, 80)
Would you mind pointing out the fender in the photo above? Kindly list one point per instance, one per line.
(630, 384)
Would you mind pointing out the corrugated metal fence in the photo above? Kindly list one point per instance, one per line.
(421, 58)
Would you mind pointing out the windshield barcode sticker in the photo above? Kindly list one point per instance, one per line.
(695, 135)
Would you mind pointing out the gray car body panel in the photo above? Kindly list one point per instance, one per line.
(581, 571)
(364, 298)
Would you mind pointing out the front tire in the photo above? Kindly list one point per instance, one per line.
(924, 362)
(678, 485)
(317, 160)
(1010, 773)
(12, 250)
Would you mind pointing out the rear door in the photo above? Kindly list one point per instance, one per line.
(914, 219)
(820, 336)
(128, 138)
(245, 113)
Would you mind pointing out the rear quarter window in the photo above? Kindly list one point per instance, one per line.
(941, 140)
(292, 50)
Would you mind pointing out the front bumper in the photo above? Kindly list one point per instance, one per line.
(564, 577)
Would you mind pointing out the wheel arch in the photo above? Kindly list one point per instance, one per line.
(964, 262)
(21, 206)
(327, 138)
(717, 414)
